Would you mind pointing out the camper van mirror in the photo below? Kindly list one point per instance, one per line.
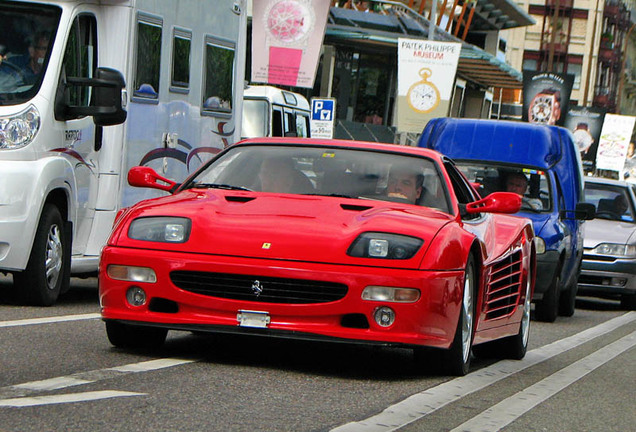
(106, 106)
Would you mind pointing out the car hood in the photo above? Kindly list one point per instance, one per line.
(605, 231)
(286, 227)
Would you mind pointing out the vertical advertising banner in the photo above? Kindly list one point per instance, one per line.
(286, 40)
(546, 97)
(426, 73)
(585, 123)
(615, 137)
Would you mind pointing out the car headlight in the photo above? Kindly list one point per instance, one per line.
(160, 229)
(19, 130)
(539, 243)
(613, 249)
(384, 245)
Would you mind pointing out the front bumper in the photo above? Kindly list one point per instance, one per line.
(547, 265)
(430, 321)
(602, 275)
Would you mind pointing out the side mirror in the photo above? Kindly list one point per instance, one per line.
(141, 176)
(107, 100)
(496, 202)
(583, 211)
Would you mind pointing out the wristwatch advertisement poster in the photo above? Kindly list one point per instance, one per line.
(426, 76)
(546, 97)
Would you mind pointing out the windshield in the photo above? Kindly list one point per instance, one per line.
(315, 170)
(530, 183)
(612, 202)
(26, 40)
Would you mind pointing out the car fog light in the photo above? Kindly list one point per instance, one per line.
(619, 282)
(384, 316)
(136, 296)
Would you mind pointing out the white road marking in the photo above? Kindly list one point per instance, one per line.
(81, 378)
(505, 412)
(421, 404)
(50, 320)
(66, 398)
(52, 384)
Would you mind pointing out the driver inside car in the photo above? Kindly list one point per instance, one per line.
(405, 183)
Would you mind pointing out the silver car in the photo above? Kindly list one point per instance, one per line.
(609, 257)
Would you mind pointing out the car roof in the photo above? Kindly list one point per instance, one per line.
(607, 181)
(495, 141)
(361, 145)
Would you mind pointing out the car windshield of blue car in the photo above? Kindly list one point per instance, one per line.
(612, 202)
(26, 42)
(531, 184)
(327, 171)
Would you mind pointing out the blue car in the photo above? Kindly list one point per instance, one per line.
(543, 165)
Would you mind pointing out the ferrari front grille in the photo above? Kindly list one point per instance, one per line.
(258, 288)
(503, 290)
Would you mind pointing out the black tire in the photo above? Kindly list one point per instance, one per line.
(548, 308)
(135, 337)
(628, 301)
(567, 300)
(456, 360)
(42, 280)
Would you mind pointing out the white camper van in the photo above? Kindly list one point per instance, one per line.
(270, 111)
(88, 89)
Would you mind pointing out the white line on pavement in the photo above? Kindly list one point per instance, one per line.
(505, 412)
(428, 401)
(81, 378)
(66, 398)
(49, 320)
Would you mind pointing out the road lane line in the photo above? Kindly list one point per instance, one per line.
(67, 398)
(82, 378)
(50, 320)
(428, 401)
(505, 412)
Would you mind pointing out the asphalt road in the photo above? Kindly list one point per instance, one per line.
(58, 372)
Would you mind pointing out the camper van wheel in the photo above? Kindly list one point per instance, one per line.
(40, 283)
(547, 309)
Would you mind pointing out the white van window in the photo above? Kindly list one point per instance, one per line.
(255, 118)
(302, 125)
(148, 58)
(181, 47)
(26, 42)
(80, 57)
(219, 76)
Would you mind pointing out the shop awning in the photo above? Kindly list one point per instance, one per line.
(483, 68)
(475, 64)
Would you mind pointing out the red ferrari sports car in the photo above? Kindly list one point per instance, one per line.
(323, 239)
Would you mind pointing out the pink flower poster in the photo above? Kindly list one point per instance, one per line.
(286, 40)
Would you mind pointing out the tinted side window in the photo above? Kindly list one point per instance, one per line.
(148, 61)
(80, 57)
(181, 47)
(219, 74)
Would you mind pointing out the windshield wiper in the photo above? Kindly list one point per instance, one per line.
(219, 186)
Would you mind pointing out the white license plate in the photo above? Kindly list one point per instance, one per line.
(252, 319)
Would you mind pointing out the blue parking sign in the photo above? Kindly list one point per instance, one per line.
(322, 109)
